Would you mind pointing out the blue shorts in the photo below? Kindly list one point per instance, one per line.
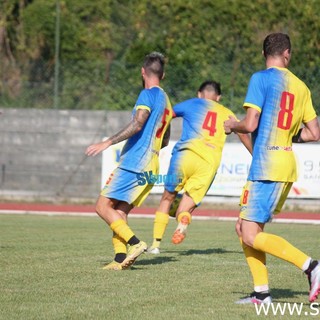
(124, 185)
(260, 200)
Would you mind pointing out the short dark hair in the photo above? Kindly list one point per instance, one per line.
(210, 85)
(154, 63)
(275, 44)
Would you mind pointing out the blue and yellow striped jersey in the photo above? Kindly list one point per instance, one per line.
(145, 145)
(202, 127)
(285, 103)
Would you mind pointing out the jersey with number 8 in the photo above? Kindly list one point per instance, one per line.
(285, 103)
(202, 128)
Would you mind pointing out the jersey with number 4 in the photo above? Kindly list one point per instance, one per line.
(202, 127)
(143, 147)
(284, 102)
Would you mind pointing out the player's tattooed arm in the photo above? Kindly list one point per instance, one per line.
(166, 137)
(132, 128)
(128, 131)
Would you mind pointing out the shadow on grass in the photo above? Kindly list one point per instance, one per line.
(279, 294)
(155, 260)
(165, 259)
(145, 262)
(206, 251)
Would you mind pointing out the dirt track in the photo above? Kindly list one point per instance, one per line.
(76, 209)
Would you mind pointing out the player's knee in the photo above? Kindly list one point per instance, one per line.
(168, 196)
(238, 229)
(98, 209)
(248, 239)
(102, 204)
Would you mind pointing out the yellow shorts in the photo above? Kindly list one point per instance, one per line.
(195, 174)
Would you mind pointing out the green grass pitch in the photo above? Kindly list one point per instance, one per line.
(51, 269)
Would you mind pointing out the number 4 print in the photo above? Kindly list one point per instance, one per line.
(210, 122)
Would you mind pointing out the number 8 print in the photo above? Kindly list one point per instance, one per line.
(245, 197)
(286, 107)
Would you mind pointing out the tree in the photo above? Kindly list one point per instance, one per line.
(103, 44)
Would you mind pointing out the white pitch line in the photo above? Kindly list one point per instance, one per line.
(301, 221)
(48, 213)
(142, 215)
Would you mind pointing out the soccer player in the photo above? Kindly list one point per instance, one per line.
(195, 159)
(277, 105)
(147, 133)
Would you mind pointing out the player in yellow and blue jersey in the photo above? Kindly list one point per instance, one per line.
(277, 104)
(195, 159)
(147, 133)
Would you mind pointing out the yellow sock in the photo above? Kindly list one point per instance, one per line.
(119, 245)
(156, 243)
(280, 248)
(184, 214)
(257, 264)
(160, 224)
(121, 228)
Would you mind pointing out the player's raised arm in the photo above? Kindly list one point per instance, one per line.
(133, 127)
(247, 125)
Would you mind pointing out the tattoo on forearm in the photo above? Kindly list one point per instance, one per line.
(125, 133)
(132, 128)
(142, 116)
